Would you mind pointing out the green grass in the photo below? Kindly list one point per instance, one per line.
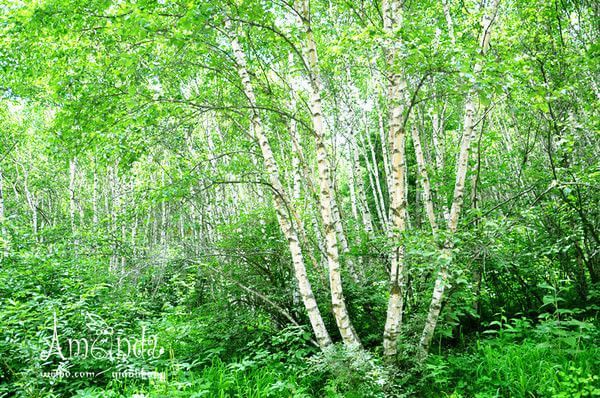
(529, 368)
(218, 380)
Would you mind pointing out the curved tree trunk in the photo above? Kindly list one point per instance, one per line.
(326, 199)
(459, 187)
(281, 204)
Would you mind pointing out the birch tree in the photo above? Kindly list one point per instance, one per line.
(392, 17)
(5, 239)
(326, 199)
(459, 186)
(280, 198)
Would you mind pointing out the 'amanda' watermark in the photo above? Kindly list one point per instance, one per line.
(102, 344)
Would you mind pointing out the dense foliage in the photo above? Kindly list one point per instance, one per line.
(299, 199)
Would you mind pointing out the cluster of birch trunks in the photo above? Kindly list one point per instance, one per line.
(395, 158)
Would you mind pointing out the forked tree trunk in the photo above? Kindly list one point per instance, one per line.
(459, 187)
(326, 199)
(280, 201)
(397, 140)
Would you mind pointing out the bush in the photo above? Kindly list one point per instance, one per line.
(349, 373)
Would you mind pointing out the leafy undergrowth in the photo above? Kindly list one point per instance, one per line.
(216, 380)
(552, 359)
(338, 372)
(528, 365)
(215, 350)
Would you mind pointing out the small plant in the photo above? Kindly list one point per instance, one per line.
(576, 383)
(350, 372)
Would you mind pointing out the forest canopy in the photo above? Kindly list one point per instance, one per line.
(323, 198)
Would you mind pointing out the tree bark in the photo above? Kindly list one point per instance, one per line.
(31, 201)
(95, 196)
(363, 204)
(280, 201)
(5, 238)
(424, 178)
(72, 172)
(397, 139)
(449, 22)
(326, 199)
(459, 186)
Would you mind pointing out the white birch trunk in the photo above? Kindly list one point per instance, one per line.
(281, 204)
(365, 212)
(397, 141)
(163, 215)
(134, 229)
(449, 22)
(113, 198)
(384, 146)
(379, 206)
(459, 186)
(424, 179)
(352, 189)
(338, 302)
(72, 171)
(31, 202)
(95, 197)
(375, 169)
(293, 128)
(5, 238)
(341, 236)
